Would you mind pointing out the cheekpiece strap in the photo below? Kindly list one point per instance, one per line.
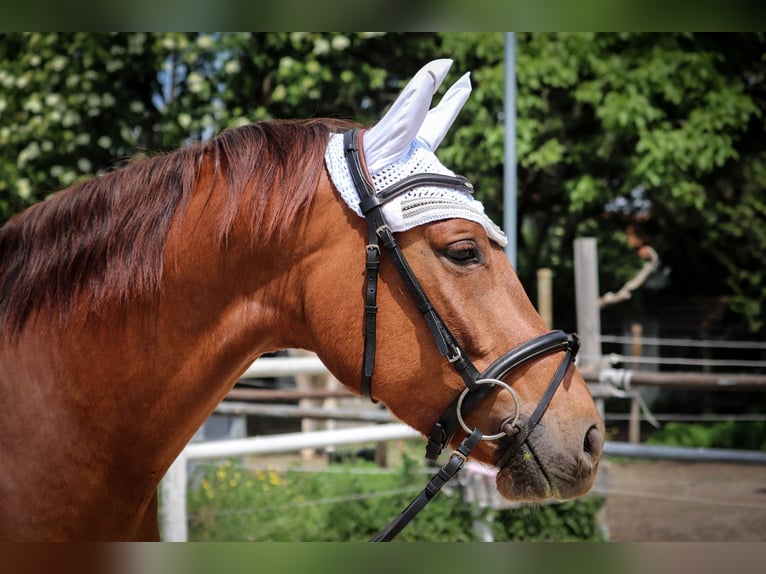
(378, 231)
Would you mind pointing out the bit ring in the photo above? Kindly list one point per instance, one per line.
(511, 420)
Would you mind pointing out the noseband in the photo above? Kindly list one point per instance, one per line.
(478, 384)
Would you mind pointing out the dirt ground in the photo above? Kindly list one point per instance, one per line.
(682, 501)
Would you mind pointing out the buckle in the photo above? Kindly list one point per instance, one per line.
(456, 357)
(463, 458)
(384, 229)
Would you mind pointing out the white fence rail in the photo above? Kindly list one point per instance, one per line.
(286, 367)
(173, 514)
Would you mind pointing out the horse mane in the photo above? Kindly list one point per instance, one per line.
(104, 238)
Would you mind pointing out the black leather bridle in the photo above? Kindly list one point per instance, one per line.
(478, 385)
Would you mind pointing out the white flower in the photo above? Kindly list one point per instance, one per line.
(286, 63)
(52, 100)
(136, 43)
(23, 188)
(340, 43)
(33, 104)
(114, 65)
(58, 63)
(321, 46)
(195, 82)
(70, 118)
(205, 42)
(28, 153)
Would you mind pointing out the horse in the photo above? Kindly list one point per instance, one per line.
(131, 303)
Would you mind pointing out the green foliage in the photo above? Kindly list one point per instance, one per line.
(661, 131)
(70, 104)
(748, 435)
(78, 104)
(570, 521)
(353, 502)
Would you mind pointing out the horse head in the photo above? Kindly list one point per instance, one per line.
(467, 306)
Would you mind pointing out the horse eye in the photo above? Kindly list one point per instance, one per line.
(463, 254)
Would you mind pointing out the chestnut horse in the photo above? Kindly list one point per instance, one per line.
(131, 303)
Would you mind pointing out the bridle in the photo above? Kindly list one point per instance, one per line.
(478, 385)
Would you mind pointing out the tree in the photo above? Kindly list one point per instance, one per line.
(655, 135)
(77, 104)
(70, 104)
(658, 136)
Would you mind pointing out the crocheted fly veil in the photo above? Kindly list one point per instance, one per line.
(403, 143)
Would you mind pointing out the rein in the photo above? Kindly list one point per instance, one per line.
(478, 385)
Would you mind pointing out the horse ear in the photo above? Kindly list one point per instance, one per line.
(391, 137)
(439, 119)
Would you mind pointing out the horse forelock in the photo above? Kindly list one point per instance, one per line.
(103, 240)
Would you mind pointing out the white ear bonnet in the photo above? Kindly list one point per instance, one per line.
(401, 144)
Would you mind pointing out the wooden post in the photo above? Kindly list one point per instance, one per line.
(637, 350)
(634, 425)
(588, 309)
(586, 299)
(309, 382)
(544, 296)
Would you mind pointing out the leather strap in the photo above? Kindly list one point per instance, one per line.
(377, 230)
(353, 154)
(445, 428)
(411, 182)
(526, 429)
(447, 472)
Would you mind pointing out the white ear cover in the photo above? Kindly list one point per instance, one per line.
(391, 137)
(439, 120)
(401, 145)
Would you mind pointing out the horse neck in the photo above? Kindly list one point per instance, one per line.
(169, 359)
(221, 306)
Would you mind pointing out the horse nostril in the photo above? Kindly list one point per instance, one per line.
(593, 443)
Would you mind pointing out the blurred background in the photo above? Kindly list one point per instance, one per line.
(651, 144)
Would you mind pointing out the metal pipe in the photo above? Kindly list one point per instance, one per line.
(684, 453)
(625, 378)
(509, 173)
